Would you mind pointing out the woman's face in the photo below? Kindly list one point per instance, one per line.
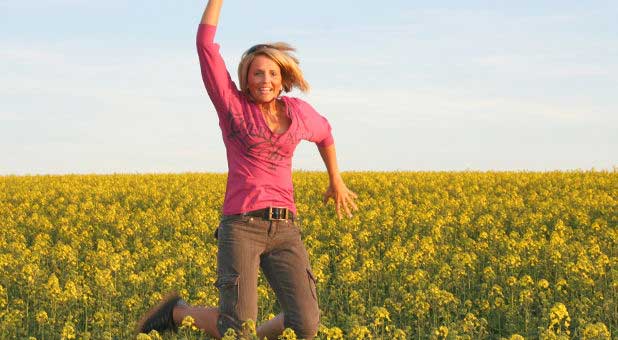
(264, 79)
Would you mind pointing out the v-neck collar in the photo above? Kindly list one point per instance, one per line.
(288, 113)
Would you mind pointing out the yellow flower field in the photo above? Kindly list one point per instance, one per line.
(430, 255)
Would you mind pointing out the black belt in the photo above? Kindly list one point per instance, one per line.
(272, 214)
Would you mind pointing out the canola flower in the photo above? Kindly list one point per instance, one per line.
(443, 255)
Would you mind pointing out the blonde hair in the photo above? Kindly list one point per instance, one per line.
(280, 53)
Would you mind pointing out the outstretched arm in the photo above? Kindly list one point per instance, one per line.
(211, 13)
(337, 189)
(221, 89)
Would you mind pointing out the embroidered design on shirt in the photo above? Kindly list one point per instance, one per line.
(257, 140)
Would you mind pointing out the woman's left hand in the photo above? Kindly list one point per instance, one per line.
(342, 196)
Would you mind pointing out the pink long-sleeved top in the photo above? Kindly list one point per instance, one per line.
(259, 160)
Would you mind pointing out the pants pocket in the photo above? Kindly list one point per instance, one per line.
(312, 284)
(227, 221)
(228, 293)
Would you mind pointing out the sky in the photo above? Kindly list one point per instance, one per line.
(114, 86)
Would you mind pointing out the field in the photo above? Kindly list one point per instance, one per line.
(440, 255)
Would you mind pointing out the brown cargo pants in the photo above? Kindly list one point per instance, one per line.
(247, 242)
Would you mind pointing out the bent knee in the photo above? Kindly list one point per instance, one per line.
(305, 326)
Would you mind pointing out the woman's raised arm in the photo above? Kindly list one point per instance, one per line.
(221, 89)
(211, 13)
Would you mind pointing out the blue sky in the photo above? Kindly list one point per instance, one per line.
(114, 86)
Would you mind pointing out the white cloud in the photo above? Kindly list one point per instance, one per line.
(546, 65)
(402, 107)
(130, 76)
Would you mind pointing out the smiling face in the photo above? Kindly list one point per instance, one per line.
(264, 79)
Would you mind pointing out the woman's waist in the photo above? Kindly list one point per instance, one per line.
(244, 201)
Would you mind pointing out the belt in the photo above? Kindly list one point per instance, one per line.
(272, 214)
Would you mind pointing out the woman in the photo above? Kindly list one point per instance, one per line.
(260, 130)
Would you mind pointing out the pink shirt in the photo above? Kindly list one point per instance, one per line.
(259, 161)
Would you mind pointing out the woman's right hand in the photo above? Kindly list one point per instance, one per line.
(211, 13)
(342, 196)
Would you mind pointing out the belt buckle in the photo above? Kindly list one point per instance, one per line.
(279, 217)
